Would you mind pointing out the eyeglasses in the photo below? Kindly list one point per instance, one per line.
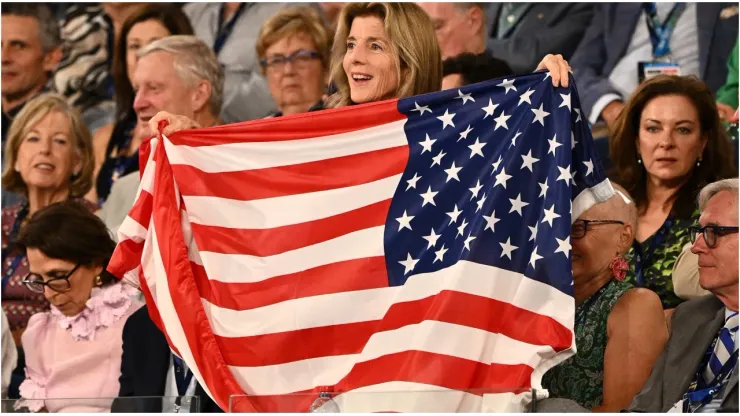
(299, 58)
(35, 283)
(580, 227)
(710, 233)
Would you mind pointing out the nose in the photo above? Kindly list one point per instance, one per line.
(140, 102)
(699, 246)
(357, 54)
(45, 146)
(667, 140)
(49, 293)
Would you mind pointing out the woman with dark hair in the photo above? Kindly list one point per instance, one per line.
(668, 143)
(117, 146)
(75, 349)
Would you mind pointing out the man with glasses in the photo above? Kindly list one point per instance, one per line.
(697, 370)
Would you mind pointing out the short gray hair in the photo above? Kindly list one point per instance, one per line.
(49, 32)
(716, 187)
(194, 61)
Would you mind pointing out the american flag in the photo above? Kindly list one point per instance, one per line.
(410, 245)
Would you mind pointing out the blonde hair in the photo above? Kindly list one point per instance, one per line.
(414, 47)
(29, 116)
(291, 21)
(194, 61)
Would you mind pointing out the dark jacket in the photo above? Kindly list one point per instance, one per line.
(144, 366)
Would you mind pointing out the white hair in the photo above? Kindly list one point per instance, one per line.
(716, 187)
(194, 61)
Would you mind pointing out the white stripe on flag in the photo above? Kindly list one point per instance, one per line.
(242, 268)
(259, 155)
(287, 210)
(318, 311)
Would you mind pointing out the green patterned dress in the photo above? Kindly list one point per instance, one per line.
(581, 377)
(657, 268)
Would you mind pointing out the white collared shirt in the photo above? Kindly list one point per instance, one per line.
(170, 388)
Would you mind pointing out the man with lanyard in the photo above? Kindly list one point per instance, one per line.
(660, 37)
(697, 370)
(231, 29)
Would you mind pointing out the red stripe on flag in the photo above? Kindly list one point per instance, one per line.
(181, 284)
(367, 273)
(272, 241)
(294, 127)
(448, 306)
(322, 175)
(141, 212)
(126, 257)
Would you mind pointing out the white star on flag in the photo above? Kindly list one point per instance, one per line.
(563, 246)
(491, 221)
(513, 139)
(529, 161)
(412, 182)
(526, 97)
(533, 232)
(550, 215)
(454, 214)
(496, 164)
(539, 115)
(464, 97)
(421, 109)
(543, 188)
(501, 121)
(468, 241)
(475, 190)
(437, 160)
(427, 145)
(517, 205)
(409, 263)
(553, 144)
(476, 148)
(404, 221)
(428, 197)
(452, 172)
(501, 178)
(547, 75)
(464, 134)
(507, 248)
(432, 238)
(534, 257)
(573, 141)
(508, 84)
(578, 111)
(480, 203)
(446, 119)
(439, 254)
(564, 175)
(566, 101)
(589, 167)
(461, 228)
(489, 109)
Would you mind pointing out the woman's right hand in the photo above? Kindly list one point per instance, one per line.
(175, 123)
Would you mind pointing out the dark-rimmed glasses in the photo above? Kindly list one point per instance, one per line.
(580, 227)
(299, 58)
(35, 283)
(710, 233)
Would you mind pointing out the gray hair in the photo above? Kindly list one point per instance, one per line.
(49, 32)
(194, 61)
(716, 187)
(463, 7)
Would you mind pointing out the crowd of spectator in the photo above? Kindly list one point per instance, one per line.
(84, 86)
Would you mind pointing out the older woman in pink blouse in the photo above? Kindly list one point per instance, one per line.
(74, 351)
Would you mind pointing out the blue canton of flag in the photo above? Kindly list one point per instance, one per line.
(496, 173)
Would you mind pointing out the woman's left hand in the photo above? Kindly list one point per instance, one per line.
(558, 68)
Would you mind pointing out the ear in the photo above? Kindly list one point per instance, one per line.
(76, 163)
(200, 96)
(475, 19)
(704, 141)
(626, 237)
(52, 59)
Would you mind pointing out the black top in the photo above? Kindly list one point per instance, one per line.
(117, 164)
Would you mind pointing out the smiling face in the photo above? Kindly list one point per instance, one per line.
(670, 140)
(140, 35)
(69, 302)
(46, 155)
(369, 62)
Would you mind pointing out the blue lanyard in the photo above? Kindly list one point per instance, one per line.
(182, 377)
(223, 31)
(696, 398)
(660, 33)
(642, 260)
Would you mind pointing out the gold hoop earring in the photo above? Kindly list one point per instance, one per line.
(98, 281)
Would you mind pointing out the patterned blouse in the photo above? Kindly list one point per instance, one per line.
(651, 262)
(19, 303)
(581, 377)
